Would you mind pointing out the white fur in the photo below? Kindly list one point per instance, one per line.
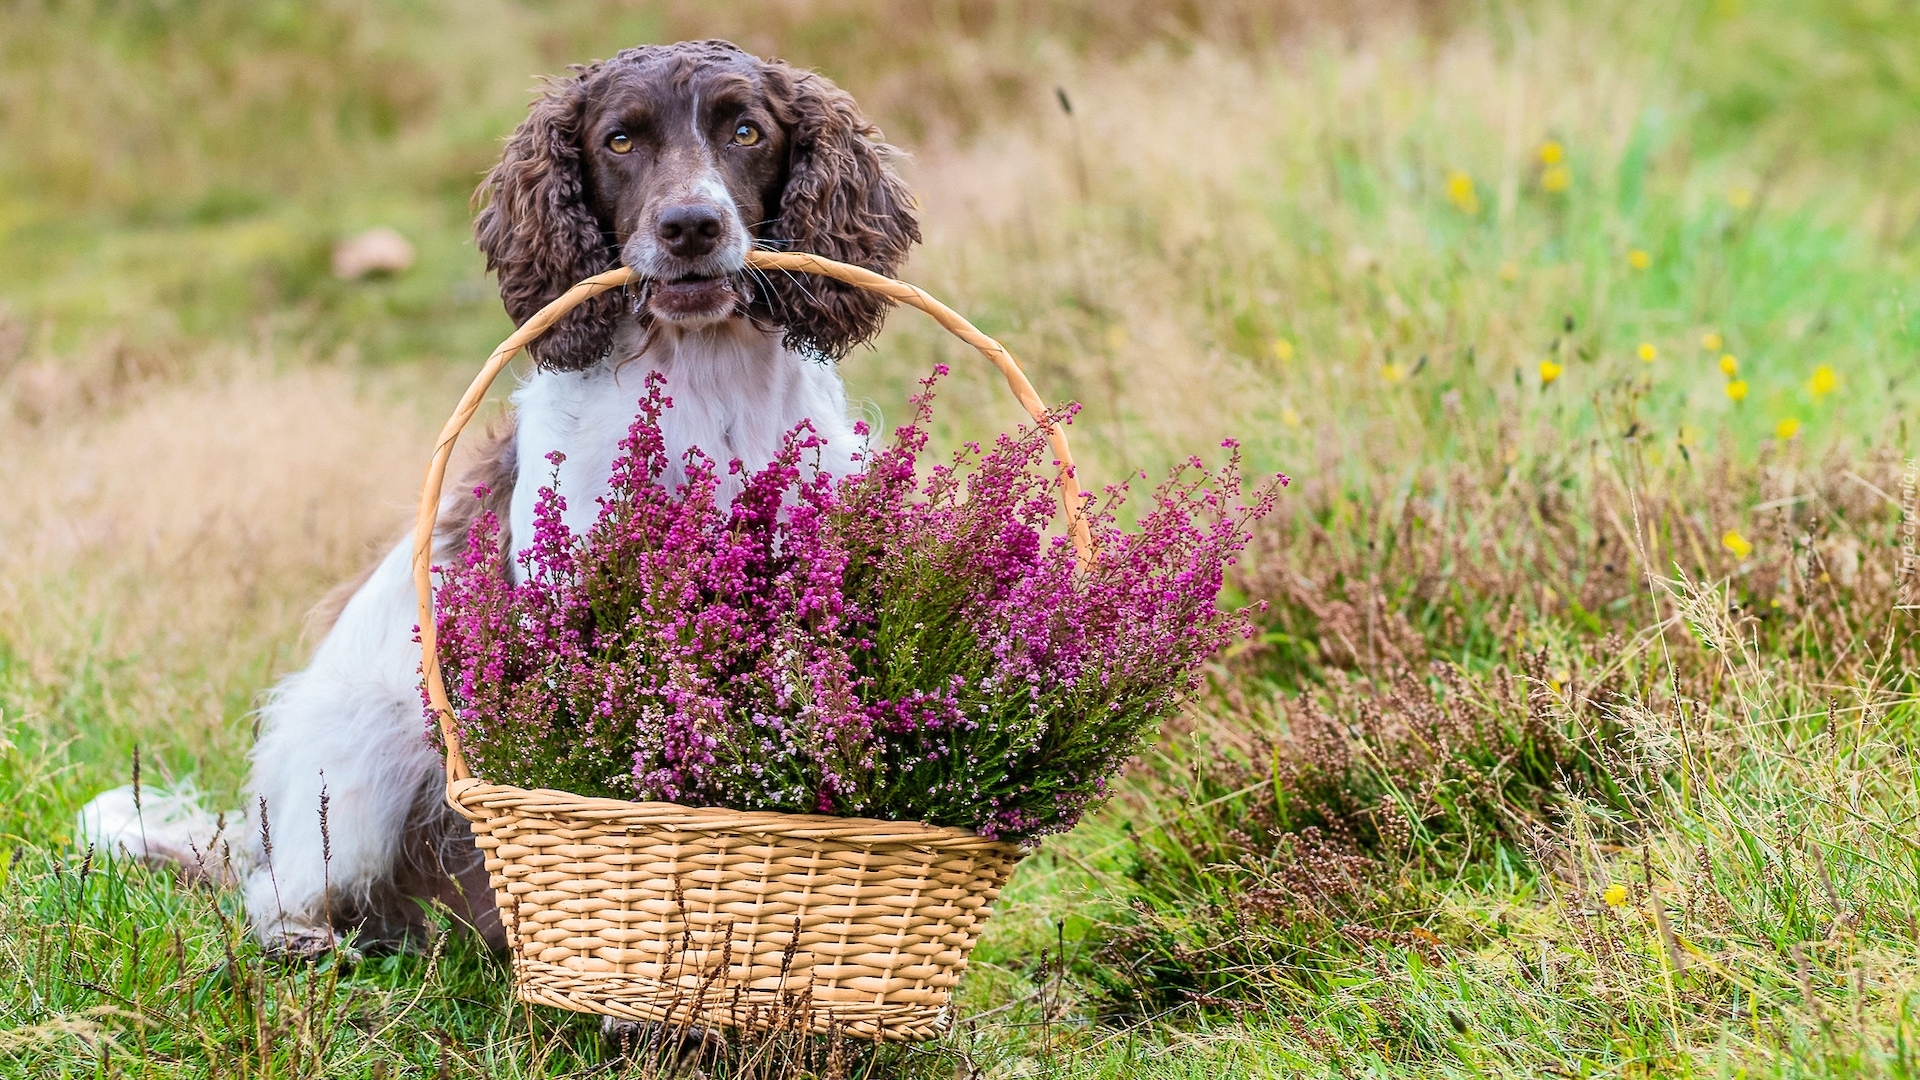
(735, 394)
(161, 825)
(352, 718)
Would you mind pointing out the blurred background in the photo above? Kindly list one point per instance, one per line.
(1368, 239)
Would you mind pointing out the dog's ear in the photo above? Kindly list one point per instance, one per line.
(538, 234)
(842, 200)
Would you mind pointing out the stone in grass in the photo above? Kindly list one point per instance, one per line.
(376, 252)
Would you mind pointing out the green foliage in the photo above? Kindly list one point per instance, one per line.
(1839, 80)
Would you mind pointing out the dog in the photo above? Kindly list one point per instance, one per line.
(675, 161)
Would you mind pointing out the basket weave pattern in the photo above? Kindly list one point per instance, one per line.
(654, 911)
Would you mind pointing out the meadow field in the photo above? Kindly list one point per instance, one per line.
(1579, 738)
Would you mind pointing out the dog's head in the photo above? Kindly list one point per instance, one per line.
(675, 160)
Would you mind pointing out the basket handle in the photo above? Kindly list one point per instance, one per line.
(586, 290)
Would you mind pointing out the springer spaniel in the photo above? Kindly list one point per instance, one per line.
(672, 160)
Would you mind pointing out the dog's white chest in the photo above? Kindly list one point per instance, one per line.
(735, 394)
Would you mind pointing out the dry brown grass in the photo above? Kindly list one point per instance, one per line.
(175, 531)
(224, 103)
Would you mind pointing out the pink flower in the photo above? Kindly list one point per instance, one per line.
(889, 645)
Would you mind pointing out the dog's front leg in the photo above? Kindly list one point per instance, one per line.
(349, 724)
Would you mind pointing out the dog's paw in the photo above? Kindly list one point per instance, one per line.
(624, 1036)
(310, 943)
(680, 1048)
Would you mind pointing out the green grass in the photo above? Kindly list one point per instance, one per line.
(1532, 773)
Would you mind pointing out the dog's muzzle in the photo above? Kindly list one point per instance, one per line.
(692, 259)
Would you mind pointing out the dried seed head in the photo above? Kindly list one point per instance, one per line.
(326, 834)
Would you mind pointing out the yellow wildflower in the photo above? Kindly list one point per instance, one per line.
(1460, 192)
(1509, 271)
(1556, 179)
(1739, 198)
(1710, 341)
(1737, 544)
(1551, 152)
(1549, 371)
(1824, 382)
(1639, 259)
(1392, 372)
(1729, 365)
(1648, 354)
(1786, 429)
(1615, 895)
(1737, 389)
(1282, 350)
(1289, 417)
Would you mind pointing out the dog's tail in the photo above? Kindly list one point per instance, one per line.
(160, 825)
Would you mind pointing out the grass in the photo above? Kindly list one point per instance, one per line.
(1579, 738)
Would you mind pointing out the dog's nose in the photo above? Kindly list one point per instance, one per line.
(689, 230)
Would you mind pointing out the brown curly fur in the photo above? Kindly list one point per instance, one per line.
(839, 198)
(537, 233)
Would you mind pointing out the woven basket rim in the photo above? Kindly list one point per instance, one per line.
(474, 791)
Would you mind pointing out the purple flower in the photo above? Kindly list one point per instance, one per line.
(903, 643)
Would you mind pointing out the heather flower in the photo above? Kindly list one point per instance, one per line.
(903, 643)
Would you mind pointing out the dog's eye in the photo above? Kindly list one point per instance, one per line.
(619, 143)
(746, 135)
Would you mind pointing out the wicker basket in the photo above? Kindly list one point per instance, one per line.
(653, 911)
